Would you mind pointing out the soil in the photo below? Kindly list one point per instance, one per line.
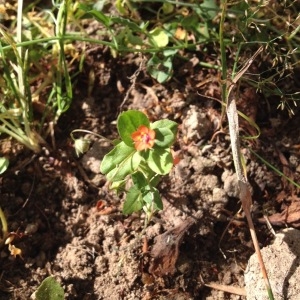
(70, 225)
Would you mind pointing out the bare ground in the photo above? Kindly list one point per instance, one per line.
(72, 224)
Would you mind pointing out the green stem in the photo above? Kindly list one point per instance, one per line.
(223, 57)
(222, 48)
(90, 132)
(4, 223)
(73, 37)
(53, 39)
(64, 98)
(275, 169)
(20, 71)
(29, 141)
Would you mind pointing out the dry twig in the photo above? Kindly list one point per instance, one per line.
(245, 195)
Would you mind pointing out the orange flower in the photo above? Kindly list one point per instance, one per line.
(143, 138)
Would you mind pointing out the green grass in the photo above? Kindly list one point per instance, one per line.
(38, 49)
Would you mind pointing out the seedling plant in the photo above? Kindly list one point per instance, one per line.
(143, 154)
(139, 158)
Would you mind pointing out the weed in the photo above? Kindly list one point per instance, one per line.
(164, 29)
(31, 71)
(275, 25)
(142, 154)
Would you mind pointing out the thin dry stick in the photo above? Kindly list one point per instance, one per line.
(227, 289)
(133, 79)
(245, 194)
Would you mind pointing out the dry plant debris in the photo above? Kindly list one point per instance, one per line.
(166, 248)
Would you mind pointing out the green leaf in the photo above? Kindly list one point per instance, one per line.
(164, 137)
(120, 162)
(128, 122)
(190, 22)
(99, 5)
(168, 124)
(49, 289)
(120, 6)
(4, 162)
(116, 142)
(152, 177)
(133, 201)
(159, 69)
(126, 22)
(155, 180)
(158, 202)
(126, 167)
(139, 180)
(98, 15)
(134, 39)
(118, 186)
(203, 29)
(159, 37)
(209, 9)
(165, 123)
(152, 197)
(160, 160)
(169, 52)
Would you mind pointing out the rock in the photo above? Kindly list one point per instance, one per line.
(195, 124)
(219, 196)
(231, 186)
(282, 260)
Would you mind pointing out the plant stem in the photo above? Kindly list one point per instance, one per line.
(228, 97)
(297, 185)
(4, 223)
(75, 37)
(20, 71)
(222, 47)
(28, 141)
(223, 56)
(90, 132)
(245, 195)
(64, 98)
